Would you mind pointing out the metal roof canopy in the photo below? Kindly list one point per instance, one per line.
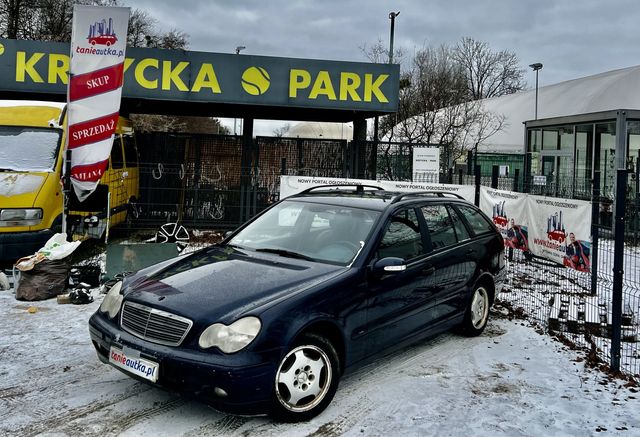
(177, 82)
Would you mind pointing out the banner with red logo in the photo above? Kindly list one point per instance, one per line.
(98, 43)
(508, 211)
(561, 230)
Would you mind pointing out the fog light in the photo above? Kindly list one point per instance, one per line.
(220, 393)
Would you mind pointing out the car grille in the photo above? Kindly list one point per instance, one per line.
(154, 325)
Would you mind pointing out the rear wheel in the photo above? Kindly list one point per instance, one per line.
(477, 312)
(306, 379)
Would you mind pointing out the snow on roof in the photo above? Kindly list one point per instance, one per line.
(616, 89)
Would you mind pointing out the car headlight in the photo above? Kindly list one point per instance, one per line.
(232, 338)
(112, 301)
(20, 216)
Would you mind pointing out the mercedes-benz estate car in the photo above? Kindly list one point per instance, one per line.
(318, 284)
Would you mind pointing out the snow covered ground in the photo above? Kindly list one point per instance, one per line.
(511, 381)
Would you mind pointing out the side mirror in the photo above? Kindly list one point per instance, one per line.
(389, 266)
(227, 234)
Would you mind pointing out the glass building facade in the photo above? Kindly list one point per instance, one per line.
(568, 151)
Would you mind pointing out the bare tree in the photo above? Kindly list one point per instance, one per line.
(51, 20)
(174, 40)
(489, 73)
(141, 25)
(184, 124)
(435, 108)
(282, 130)
(378, 53)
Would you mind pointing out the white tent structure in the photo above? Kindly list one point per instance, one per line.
(617, 89)
(322, 130)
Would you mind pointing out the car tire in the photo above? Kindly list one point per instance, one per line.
(306, 379)
(477, 313)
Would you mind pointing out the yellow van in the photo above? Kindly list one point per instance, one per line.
(32, 138)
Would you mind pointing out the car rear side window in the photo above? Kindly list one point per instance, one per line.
(402, 239)
(478, 223)
(130, 152)
(440, 226)
(117, 160)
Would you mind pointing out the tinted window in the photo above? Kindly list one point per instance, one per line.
(402, 238)
(440, 226)
(479, 224)
(458, 225)
(130, 152)
(117, 160)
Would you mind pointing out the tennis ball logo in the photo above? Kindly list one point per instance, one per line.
(255, 81)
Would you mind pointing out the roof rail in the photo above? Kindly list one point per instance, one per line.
(359, 187)
(401, 196)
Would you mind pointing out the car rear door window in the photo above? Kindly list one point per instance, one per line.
(402, 239)
(458, 224)
(478, 223)
(440, 226)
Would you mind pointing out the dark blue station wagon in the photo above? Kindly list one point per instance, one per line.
(318, 284)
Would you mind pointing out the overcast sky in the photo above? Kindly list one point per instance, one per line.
(571, 38)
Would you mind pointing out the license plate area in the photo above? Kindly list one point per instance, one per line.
(130, 361)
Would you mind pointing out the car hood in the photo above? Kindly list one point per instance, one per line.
(21, 188)
(223, 283)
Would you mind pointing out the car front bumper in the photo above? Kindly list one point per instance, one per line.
(248, 385)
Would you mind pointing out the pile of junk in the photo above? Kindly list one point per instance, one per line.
(48, 273)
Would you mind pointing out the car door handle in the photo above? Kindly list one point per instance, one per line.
(427, 271)
(469, 251)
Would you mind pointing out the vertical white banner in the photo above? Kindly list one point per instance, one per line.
(560, 230)
(98, 43)
(508, 211)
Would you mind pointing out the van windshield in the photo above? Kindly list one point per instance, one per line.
(28, 148)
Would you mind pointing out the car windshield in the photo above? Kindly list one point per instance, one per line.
(28, 148)
(320, 232)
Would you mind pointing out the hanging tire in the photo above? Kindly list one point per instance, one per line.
(477, 312)
(306, 379)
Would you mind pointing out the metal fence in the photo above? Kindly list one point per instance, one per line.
(214, 182)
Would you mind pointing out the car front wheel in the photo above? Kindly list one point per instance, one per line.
(477, 312)
(306, 379)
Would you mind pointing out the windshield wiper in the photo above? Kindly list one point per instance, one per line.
(286, 253)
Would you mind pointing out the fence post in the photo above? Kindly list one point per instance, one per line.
(477, 199)
(595, 230)
(450, 176)
(516, 178)
(495, 171)
(618, 269)
(460, 173)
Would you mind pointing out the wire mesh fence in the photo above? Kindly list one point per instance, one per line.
(562, 302)
(214, 182)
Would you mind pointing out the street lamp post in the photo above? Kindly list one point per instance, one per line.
(392, 17)
(536, 67)
(235, 120)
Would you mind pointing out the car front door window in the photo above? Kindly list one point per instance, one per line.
(402, 239)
